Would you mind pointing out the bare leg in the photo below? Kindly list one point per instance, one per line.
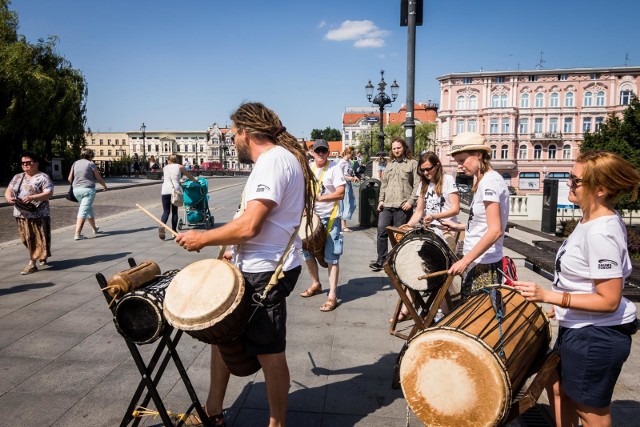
(276, 375)
(334, 273)
(562, 406)
(92, 223)
(593, 417)
(79, 225)
(312, 267)
(219, 378)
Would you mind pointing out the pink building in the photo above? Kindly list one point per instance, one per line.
(533, 120)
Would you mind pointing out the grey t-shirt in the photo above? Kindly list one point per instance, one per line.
(83, 174)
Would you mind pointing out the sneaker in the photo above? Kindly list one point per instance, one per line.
(161, 234)
(97, 231)
(79, 237)
(43, 261)
(375, 266)
(29, 269)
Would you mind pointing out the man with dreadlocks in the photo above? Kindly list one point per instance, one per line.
(275, 195)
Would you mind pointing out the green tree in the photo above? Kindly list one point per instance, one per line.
(424, 139)
(328, 134)
(621, 136)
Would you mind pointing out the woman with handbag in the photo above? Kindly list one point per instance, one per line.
(172, 173)
(30, 192)
(83, 177)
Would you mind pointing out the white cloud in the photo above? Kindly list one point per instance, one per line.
(364, 33)
(322, 24)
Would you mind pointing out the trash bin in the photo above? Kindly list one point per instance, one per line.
(549, 205)
(368, 204)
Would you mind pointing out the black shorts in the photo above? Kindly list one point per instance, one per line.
(266, 333)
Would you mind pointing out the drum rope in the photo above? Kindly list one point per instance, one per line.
(496, 302)
(408, 420)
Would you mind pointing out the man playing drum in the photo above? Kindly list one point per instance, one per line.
(329, 191)
(276, 192)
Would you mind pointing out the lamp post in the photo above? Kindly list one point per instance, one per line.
(143, 129)
(381, 100)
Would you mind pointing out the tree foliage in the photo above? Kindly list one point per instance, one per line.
(621, 136)
(423, 141)
(42, 98)
(328, 134)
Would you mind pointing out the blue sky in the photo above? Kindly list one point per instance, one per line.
(183, 65)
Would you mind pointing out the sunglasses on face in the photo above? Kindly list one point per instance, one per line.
(321, 151)
(423, 170)
(29, 163)
(574, 181)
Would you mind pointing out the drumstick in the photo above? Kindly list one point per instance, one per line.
(436, 274)
(162, 224)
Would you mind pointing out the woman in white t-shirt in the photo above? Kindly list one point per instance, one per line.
(172, 173)
(488, 215)
(596, 321)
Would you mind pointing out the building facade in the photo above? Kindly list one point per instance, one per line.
(108, 145)
(535, 120)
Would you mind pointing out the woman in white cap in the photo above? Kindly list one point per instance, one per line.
(488, 214)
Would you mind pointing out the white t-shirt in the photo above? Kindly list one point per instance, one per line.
(277, 176)
(491, 188)
(332, 178)
(171, 174)
(434, 203)
(594, 250)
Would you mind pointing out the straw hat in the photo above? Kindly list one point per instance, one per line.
(469, 141)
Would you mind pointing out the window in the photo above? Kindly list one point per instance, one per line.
(472, 125)
(594, 76)
(459, 126)
(539, 100)
(562, 77)
(599, 121)
(109, 153)
(533, 78)
(553, 124)
(493, 129)
(586, 124)
(460, 103)
(503, 101)
(587, 99)
(566, 152)
(495, 101)
(102, 152)
(524, 126)
(553, 100)
(201, 149)
(116, 142)
(108, 142)
(568, 125)
(552, 151)
(178, 148)
(524, 100)
(537, 152)
(193, 148)
(101, 142)
(522, 152)
(600, 99)
(93, 141)
(504, 152)
(529, 180)
(625, 97)
(506, 128)
(157, 148)
(537, 125)
(494, 151)
(466, 80)
(500, 79)
(473, 102)
(568, 99)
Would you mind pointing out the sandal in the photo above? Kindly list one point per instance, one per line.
(402, 317)
(216, 420)
(329, 305)
(347, 230)
(313, 290)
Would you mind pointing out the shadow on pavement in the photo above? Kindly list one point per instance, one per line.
(24, 288)
(70, 263)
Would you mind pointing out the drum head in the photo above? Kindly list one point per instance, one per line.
(307, 233)
(202, 293)
(450, 378)
(420, 253)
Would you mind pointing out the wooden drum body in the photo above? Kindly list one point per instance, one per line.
(466, 370)
(421, 252)
(207, 300)
(313, 238)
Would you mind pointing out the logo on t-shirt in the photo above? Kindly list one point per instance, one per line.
(489, 192)
(262, 188)
(606, 264)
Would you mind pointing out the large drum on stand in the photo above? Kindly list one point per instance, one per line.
(467, 369)
(207, 300)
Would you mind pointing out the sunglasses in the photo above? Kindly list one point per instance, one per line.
(423, 170)
(574, 181)
(29, 163)
(321, 150)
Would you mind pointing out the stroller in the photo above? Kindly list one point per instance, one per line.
(196, 204)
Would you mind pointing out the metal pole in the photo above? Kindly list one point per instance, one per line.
(381, 132)
(409, 124)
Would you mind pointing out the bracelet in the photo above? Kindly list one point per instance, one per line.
(566, 300)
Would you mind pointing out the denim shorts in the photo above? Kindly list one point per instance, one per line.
(591, 359)
(334, 244)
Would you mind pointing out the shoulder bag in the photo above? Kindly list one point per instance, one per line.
(70, 196)
(177, 198)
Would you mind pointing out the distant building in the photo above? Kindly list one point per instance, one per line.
(534, 120)
(108, 145)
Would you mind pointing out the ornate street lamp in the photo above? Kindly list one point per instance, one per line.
(381, 100)
(143, 129)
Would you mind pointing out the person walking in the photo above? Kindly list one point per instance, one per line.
(488, 215)
(29, 193)
(277, 191)
(348, 203)
(172, 174)
(329, 191)
(398, 195)
(83, 177)
(595, 321)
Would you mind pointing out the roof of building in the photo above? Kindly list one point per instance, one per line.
(334, 146)
(482, 73)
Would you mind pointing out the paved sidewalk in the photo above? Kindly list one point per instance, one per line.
(62, 362)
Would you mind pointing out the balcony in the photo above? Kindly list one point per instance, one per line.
(546, 136)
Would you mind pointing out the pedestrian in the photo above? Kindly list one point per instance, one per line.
(172, 174)
(330, 190)
(398, 195)
(595, 321)
(488, 215)
(277, 191)
(382, 165)
(136, 167)
(153, 165)
(83, 177)
(30, 192)
(348, 203)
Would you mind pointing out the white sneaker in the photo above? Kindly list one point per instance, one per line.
(79, 237)
(97, 231)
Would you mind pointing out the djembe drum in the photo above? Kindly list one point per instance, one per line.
(313, 238)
